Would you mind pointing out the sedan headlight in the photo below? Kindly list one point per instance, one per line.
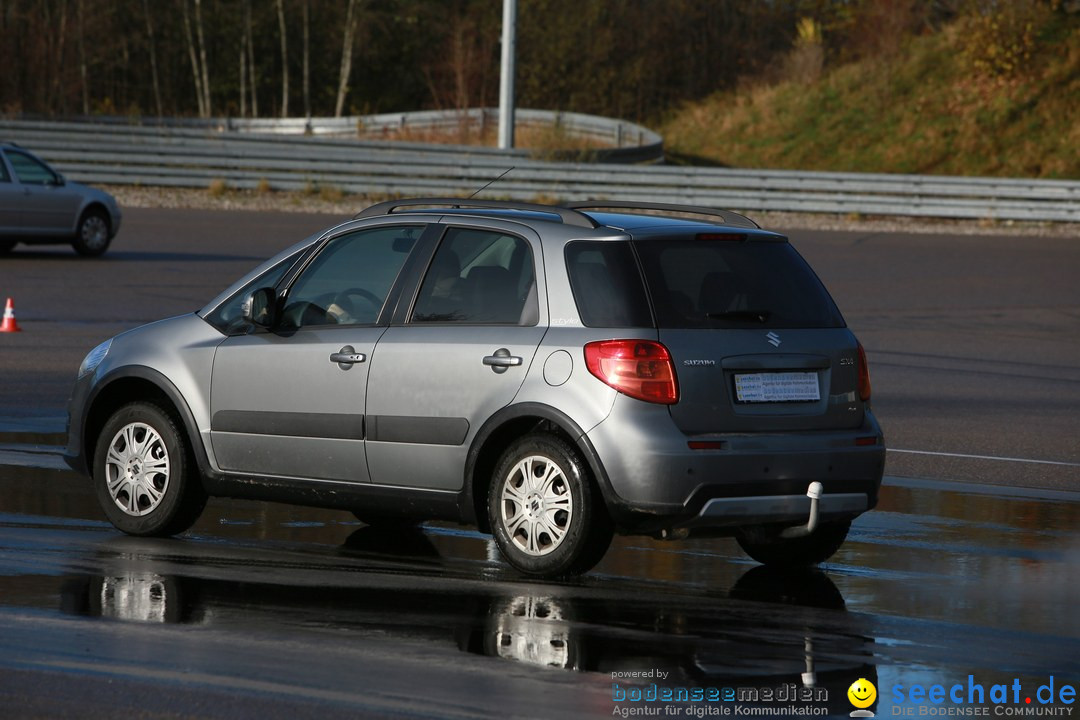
(94, 358)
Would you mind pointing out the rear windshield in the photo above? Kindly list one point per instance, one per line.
(704, 283)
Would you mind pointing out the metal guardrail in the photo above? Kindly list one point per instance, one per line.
(610, 140)
(120, 154)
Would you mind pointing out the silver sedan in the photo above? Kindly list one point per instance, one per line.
(39, 206)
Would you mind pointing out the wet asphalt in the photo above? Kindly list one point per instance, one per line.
(274, 611)
(966, 574)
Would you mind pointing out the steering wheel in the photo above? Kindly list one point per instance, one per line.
(344, 300)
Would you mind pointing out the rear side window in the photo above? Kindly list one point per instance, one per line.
(706, 283)
(479, 277)
(607, 286)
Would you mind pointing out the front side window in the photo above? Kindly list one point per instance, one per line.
(29, 170)
(479, 277)
(228, 317)
(348, 281)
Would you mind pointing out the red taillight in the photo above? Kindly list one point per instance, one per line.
(641, 369)
(864, 376)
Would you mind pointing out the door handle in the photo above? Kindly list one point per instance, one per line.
(346, 357)
(501, 360)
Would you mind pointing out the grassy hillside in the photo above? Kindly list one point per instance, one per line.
(946, 103)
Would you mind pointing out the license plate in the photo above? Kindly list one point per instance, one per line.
(777, 387)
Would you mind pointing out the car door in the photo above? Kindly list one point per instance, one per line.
(290, 402)
(11, 199)
(48, 206)
(455, 357)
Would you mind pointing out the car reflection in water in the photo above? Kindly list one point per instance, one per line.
(772, 629)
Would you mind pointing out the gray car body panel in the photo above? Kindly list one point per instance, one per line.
(177, 356)
(403, 432)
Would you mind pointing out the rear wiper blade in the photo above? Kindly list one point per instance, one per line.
(747, 315)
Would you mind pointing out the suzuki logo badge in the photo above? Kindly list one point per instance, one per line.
(773, 339)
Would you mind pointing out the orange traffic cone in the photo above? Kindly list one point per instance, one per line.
(9, 324)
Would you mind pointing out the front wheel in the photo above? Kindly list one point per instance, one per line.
(546, 515)
(92, 235)
(6, 246)
(765, 544)
(144, 476)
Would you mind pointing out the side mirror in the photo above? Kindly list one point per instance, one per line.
(61, 181)
(259, 307)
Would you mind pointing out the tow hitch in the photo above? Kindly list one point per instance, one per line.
(814, 493)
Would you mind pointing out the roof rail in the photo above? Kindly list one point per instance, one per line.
(568, 216)
(729, 217)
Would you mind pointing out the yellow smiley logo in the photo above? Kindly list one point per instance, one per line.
(862, 693)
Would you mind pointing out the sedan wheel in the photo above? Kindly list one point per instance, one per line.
(92, 238)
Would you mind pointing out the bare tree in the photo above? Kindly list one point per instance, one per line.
(203, 111)
(202, 55)
(57, 96)
(82, 58)
(284, 60)
(307, 57)
(346, 57)
(243, 73)
(252, 74)
(153, 57)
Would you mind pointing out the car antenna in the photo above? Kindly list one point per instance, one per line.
(491, 182)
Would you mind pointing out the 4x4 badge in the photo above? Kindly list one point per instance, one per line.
(773, 339)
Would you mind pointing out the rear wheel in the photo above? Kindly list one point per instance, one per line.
(765, 544)
(6, 246)
(92, 235)
(546, 515)
(144, 476)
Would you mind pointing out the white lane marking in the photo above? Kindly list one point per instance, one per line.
(986, 457)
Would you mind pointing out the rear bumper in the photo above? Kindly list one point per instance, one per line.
(652, 481)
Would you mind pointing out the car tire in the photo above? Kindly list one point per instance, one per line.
(546, 515)
(144, 475)
(7, 246)
(92, 235)
(765, 545)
